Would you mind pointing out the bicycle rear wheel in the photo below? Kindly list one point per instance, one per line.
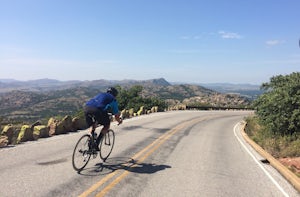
(107, 144)
(81, 156)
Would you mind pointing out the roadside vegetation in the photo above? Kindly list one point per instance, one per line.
(276, 125)
(133, 98)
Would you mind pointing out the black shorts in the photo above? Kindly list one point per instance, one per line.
(99, 115)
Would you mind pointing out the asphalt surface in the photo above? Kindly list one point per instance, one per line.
(182, 153)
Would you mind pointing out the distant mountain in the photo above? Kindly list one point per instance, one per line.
(8, 80)
(230, 87)
(248, 90)
(42, 85)
(160, 81)
(38, 99)
(35, 85)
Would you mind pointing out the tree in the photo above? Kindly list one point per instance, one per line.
(132, 98)
(279, 107)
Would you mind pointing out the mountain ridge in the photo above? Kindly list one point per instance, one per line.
(50, 84)
(7, 85)
(39, 99)
(36, 100)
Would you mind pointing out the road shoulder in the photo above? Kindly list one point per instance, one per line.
(290, 176)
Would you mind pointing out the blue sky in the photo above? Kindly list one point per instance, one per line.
(194, 41)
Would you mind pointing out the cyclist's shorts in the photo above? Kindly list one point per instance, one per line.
(101, 116)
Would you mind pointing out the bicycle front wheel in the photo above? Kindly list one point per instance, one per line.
(107, 144)
(81, 156)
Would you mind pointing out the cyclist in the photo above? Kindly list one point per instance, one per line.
(98, 107)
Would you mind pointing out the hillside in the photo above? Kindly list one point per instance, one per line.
(35, 100)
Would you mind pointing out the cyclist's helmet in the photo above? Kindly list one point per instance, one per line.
(112, 91)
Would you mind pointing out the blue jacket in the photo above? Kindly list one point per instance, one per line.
(104, 101)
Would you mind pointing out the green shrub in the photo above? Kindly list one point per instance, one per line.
(133, 98)
(274, 143)
(279, 107)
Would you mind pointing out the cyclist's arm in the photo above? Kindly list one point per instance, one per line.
(115, 111)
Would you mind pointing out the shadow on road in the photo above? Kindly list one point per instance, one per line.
(122, 163)
(8, 146)
(159, 130)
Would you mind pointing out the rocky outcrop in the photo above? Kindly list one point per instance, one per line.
(40, 131)
(57, 127)
(141, 111)
(52, 124)
(131, 113)
(79, 123)
(3, 141)
(26, 134)
(220, 100)
(154, 109)
(12, 135)
(8, 131)
(65, 125)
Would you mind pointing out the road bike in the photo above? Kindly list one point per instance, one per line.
(86, 147)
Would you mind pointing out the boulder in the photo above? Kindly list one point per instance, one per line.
(79, 123)
(131, 112)
(40, 131)
(57, 127)
(154, 109)
(124, 114)
(35, 124)
(26, 134)
(9, 131)
(141, 111)
(52, 125)
(3, 141)
(65, 125)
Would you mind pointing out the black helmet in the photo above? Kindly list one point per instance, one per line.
(112, 91)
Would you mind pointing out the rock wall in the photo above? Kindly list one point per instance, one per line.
(12, 135)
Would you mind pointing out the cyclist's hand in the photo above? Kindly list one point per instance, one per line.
(120, 121)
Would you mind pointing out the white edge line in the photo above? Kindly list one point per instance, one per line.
(258, 163)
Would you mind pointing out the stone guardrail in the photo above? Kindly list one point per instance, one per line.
(12, 135)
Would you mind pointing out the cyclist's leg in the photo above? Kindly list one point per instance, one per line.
(105, 121)
(90, 117)
(89, 113)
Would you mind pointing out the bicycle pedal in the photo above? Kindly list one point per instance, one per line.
(94, 155)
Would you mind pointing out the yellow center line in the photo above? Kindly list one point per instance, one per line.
(157, 143)
(98, 184)
(109, 176)
(124, 174)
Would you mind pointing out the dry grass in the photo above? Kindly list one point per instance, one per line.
(277, 145)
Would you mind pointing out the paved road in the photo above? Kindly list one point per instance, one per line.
(183, 153)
